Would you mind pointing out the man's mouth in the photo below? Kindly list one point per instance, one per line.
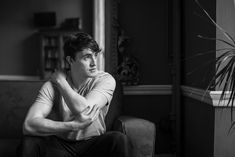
(92, 70)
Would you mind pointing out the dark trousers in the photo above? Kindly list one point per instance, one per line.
(110, 144)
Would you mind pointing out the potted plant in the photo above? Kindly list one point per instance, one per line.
(224, 77)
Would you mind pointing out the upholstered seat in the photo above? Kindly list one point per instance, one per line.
(140, 131)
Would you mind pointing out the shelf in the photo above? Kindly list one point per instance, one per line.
(18, 78)
(208, 97)
(147, 90)
(52, 53)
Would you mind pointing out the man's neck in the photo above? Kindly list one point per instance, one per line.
(75, 80)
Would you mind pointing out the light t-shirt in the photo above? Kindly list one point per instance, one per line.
(49, 94)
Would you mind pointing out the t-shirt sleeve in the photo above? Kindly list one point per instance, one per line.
(105, 85)
(46, 94)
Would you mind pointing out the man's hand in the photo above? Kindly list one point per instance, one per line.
(58, 77)
(85, 118)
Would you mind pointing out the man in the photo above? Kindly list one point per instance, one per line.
(67, 118)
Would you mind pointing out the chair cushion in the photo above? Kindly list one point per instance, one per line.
(8, 147)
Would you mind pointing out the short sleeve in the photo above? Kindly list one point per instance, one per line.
(46, 94)
(105, 85)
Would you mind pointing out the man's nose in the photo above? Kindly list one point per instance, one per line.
(93, 61)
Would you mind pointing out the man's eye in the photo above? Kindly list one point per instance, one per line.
(85, 57)
(96, 55)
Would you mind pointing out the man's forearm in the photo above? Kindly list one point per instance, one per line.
(45, 127)
(75, 101)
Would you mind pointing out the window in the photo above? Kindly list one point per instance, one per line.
(99, 30)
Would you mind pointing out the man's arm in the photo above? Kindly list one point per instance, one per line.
(36, 122)
(77, 103)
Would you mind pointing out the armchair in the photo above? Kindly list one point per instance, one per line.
(141, 132)
(17, 96)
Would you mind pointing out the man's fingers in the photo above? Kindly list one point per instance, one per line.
(93, 109)
(96, 114)
(86, 110)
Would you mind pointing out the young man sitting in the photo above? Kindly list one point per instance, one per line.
(67, 117)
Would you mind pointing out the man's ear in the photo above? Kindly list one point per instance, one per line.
(69, 60)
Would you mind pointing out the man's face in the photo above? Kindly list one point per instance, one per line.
(85, 63)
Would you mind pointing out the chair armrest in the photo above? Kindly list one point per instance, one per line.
(140, 132)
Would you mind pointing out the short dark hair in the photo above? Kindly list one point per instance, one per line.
(75, 43)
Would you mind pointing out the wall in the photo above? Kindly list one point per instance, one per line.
(146, 23)
(198, 128)
(224, 142)
(225, 11)
(207, 125)
(197, 64)
(18, 52)
(198, 68)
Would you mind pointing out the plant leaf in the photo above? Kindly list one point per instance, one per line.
(204, 53)
(220, 28)
(199, 67)
(221, 40)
